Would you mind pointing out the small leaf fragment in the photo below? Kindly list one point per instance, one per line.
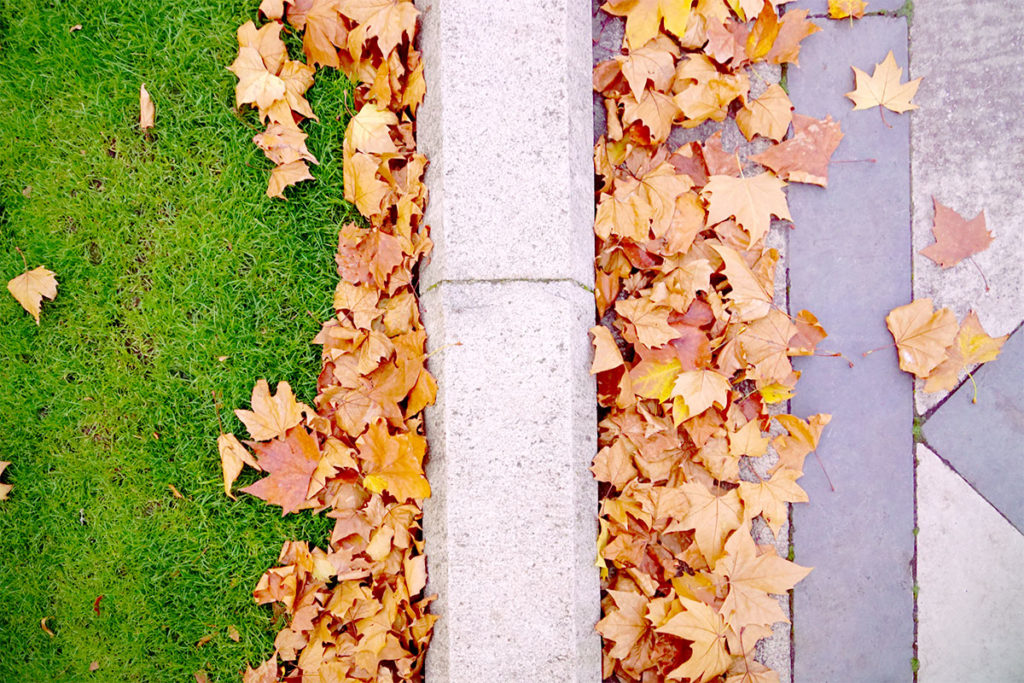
(147, 111)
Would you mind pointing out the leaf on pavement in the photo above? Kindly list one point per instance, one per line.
(883, 88)
(955, 237)
(841, 9)
(972, 346)
(922, 335)
(752, 201)
(804, 158)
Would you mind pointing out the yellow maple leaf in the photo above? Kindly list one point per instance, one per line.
(770, 498)
(700, 389)
(285, 175)
(368, 130)
(271, 416)
(841, 9)
(256, 85)
(972, 346)
(362, 187)
(769, 115)
(644, 17)
(704, 627)
(655, 379)
(752, 201)
(883, 88)
(922, 335)
(393, 462)
(30, 288)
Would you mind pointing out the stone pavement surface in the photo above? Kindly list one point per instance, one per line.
(849, 262)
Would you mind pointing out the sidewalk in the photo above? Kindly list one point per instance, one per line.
(917, 548)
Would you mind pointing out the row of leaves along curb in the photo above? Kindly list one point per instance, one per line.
(356, 609)
(693, 352)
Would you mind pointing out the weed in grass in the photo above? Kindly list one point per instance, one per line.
(169, 256)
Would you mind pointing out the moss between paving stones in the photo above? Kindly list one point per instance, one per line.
(168, 256)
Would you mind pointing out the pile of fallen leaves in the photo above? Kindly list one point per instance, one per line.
(356, 609)
(693, 352)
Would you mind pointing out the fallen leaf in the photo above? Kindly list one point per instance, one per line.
(883, 88)
(841, 9)
(94, 665)
(256, 85)
(233, 634)
(793, 28)
(369, 131)
(627, 624)
(5, 489)
(763, 34)
(700, 389)
(204, 640)
(393, 462)
(146, 109)
(264, 673)
(649, 319)
(749, 296)
(752, 201)
(76, 27)
(30, 288)
(801, 440)
(768, 116)
(804, 158)
(644, 17)
(42, 625)
(287, 175)
(972, 346)
(606, 353)
(290, 463)
(201, 677)
(922, 335)
(955, 237)
(704, 627)
(770, 497)
(271, 415)
(232, 456)
(96, 604)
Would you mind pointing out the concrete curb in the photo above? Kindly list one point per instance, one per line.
(510, 532)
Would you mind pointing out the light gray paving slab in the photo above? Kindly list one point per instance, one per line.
(507, 126)
(510, 530)
(971, 599)
(984, 441)
(850, 264)
(968, 143)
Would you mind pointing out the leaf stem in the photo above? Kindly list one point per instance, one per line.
(969, 258)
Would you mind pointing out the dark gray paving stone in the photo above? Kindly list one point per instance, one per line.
(850, 257)
(984, 441)
(821, 6)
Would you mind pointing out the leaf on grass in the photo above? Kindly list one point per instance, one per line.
(922, 335)
(30, 288)
(146, 109)
(955, 237)
(287, 175)
(232, 456)
(290, 463)
(42, 625)
(5, 489)
(804, 158)
(264, 673)
(883, 88)
(271, 415)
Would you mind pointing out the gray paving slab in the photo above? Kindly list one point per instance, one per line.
(968, 143)
(510, 530)
(821, 6)
(968, 567)
(853, 617)
(984, 441)
(506, 124)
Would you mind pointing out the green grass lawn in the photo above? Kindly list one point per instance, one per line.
(169, 256)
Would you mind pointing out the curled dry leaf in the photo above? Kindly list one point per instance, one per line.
(146, 109)
(233, 455)
(5, 489)
(42, 625)
(30, 288)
